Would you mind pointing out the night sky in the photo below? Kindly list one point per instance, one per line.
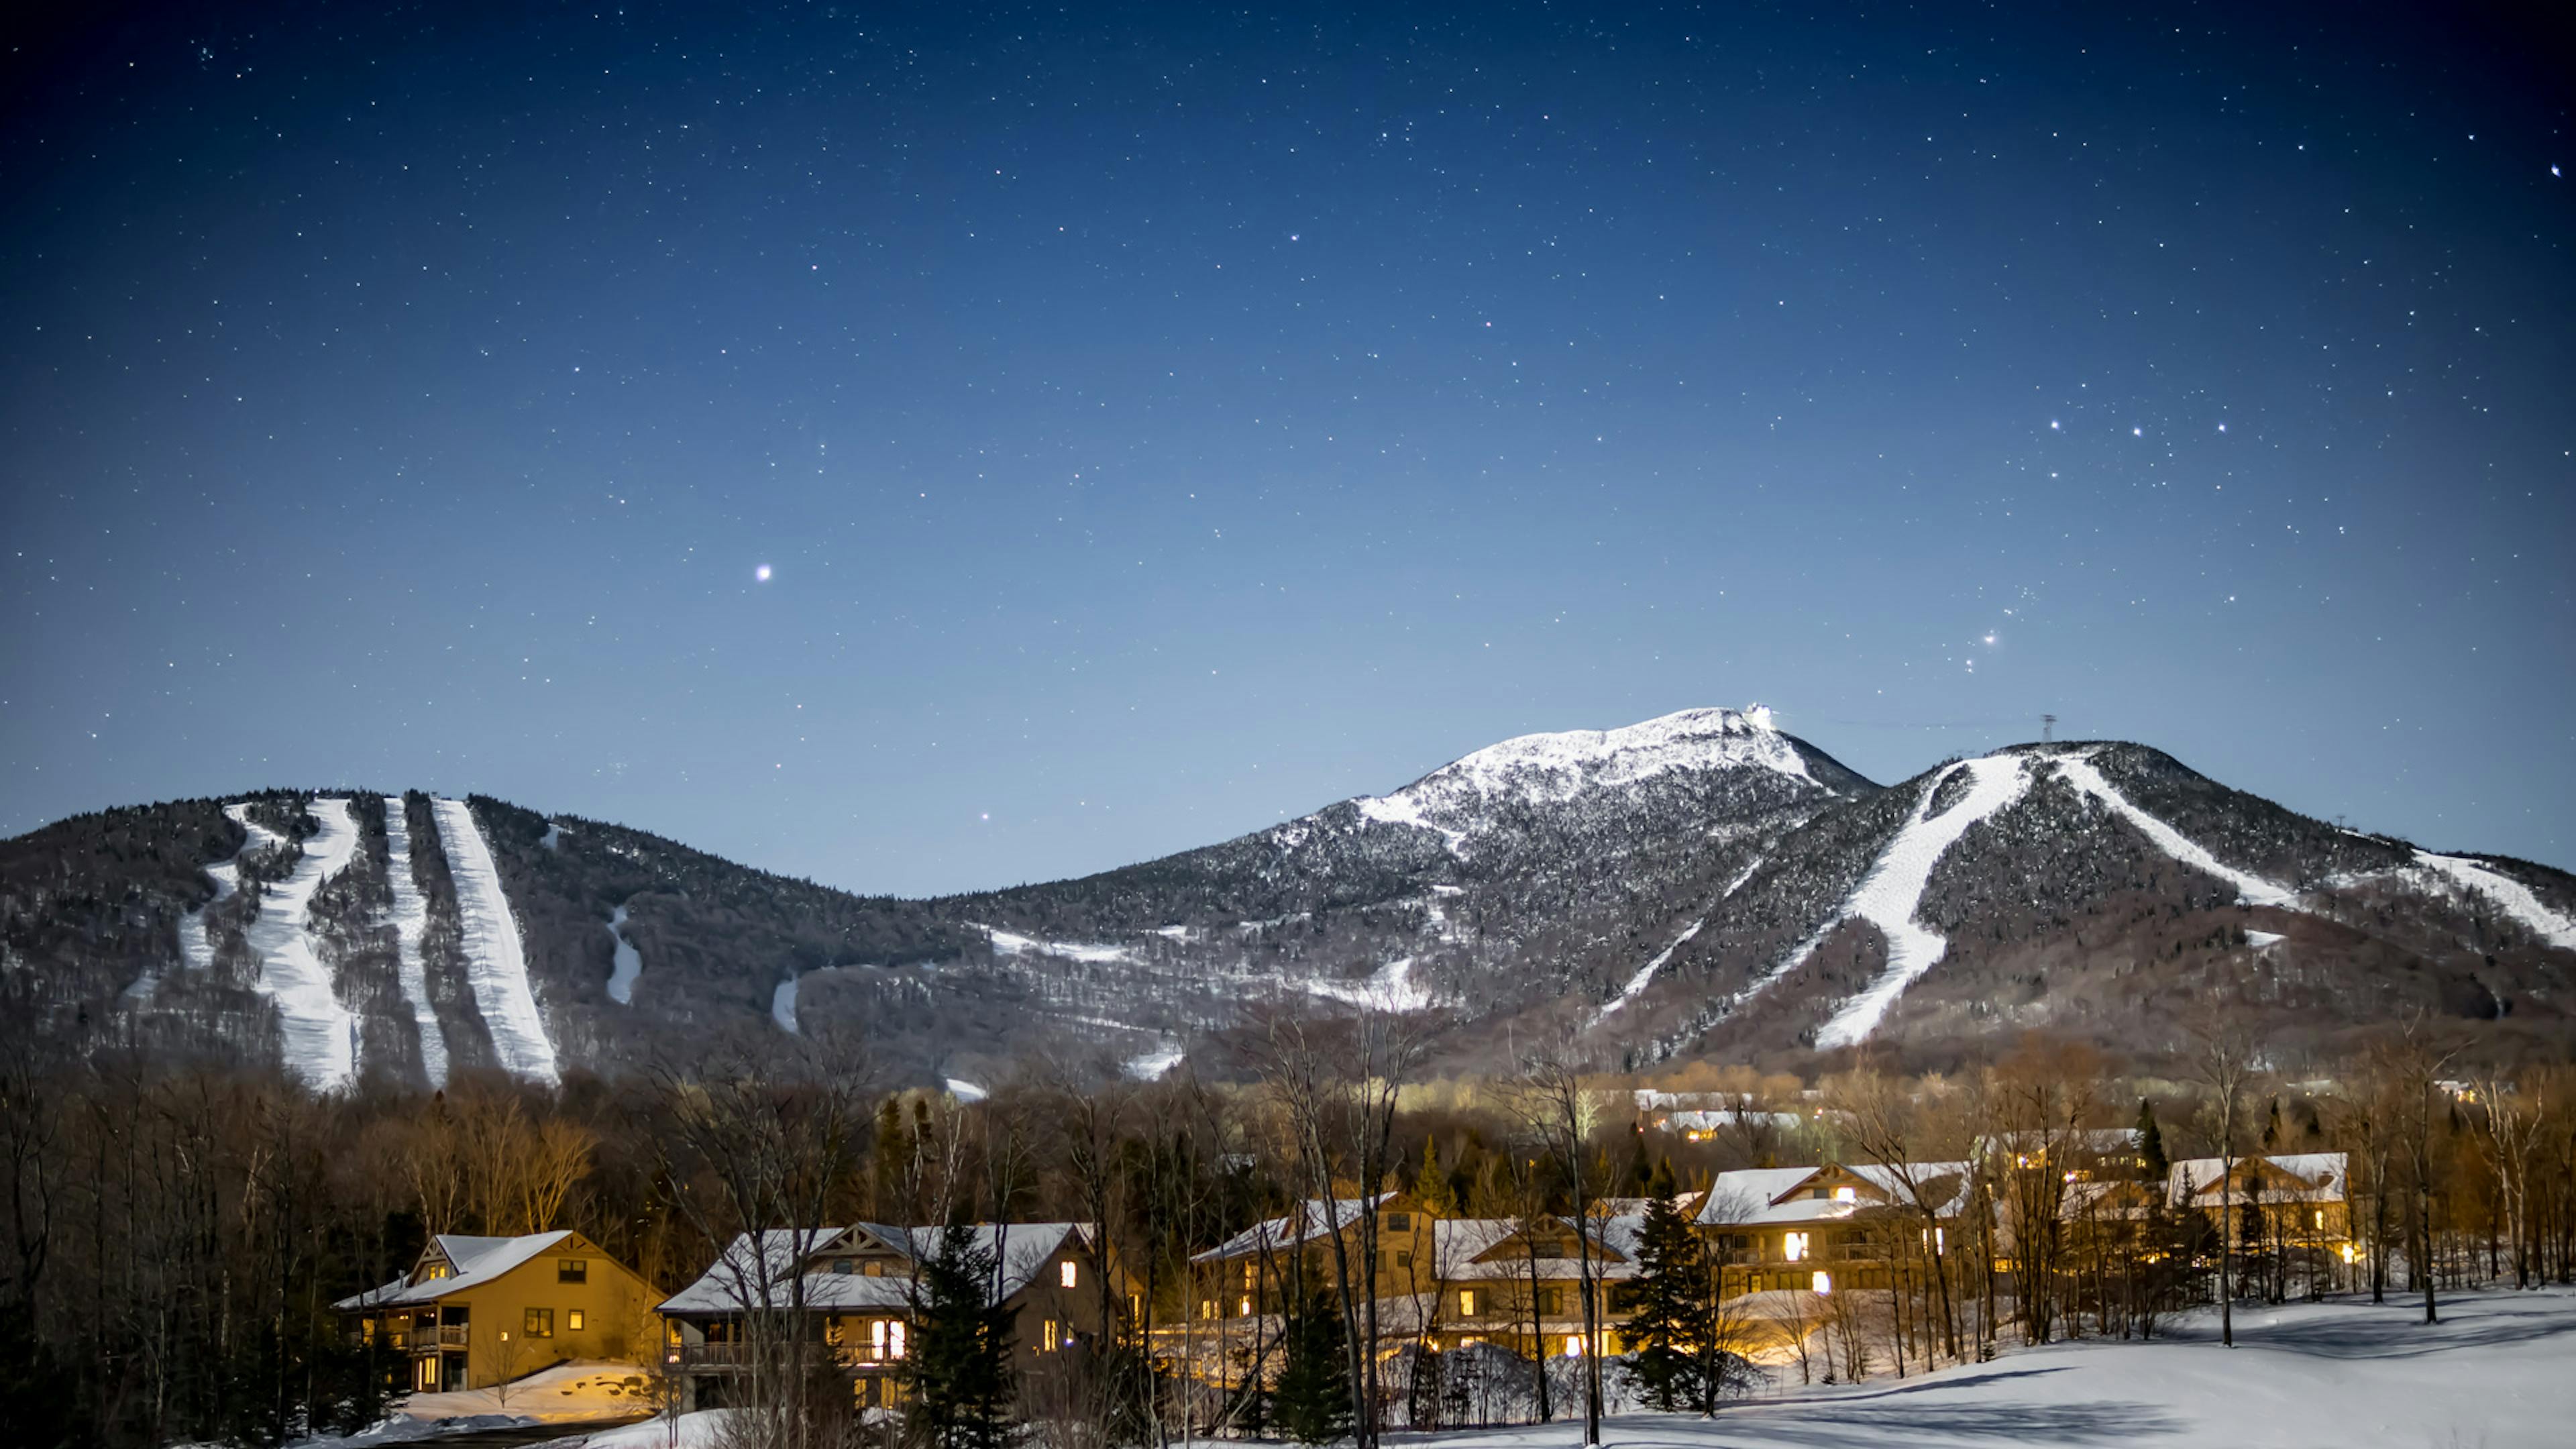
(924, 452)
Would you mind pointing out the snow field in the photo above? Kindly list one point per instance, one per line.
(2511, 895)
(317, 1035)
(2338, 1375)
(630, 962)
(1888, 896)
(411, 923)
(496, 965)
(1389, 988)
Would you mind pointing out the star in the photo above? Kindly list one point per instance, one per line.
(761, 573)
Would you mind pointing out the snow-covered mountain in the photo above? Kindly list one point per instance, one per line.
(1699, 884)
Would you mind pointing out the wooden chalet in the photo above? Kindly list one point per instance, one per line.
(474, 1312)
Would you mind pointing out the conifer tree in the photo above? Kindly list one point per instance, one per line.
(2151, 1144)
(1671, 1324)
(961, 1359)
(1431, 1185)
(1312, 1404)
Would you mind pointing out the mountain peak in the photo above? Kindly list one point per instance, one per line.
(1560, 765)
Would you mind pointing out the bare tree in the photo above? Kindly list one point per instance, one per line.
(1559, 1111)
(777, 1151)
(1337, 1082)
(2225, 1059)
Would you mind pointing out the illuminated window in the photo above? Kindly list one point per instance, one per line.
(1466, 1302)
(1793, 1246)
(885, 1338)
(572, 1270)
(1574, 1345)
(1207, 1308)
(538, 1323)
(433, 1270)
(1823, 1282)
(573, 1320)
(872, 1270)
(1067, 1274)
(1844, 1194)
(2321, 1217)
(1054, 1338)
(1243, 1307)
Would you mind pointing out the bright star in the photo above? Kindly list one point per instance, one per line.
(761, 573)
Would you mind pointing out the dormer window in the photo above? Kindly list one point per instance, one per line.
(1844, 1194)
(572, 1270)
(841, 1266)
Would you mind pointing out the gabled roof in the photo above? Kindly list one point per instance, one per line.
(736, 1280)
(1308, 1222)
(2287, 1177)
(471, 1263)
(1766, 1196)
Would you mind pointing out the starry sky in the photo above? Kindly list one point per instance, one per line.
(923, 450)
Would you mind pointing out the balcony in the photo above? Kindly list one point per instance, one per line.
(707, 1355)
(450, 1335)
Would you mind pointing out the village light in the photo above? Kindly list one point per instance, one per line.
(1823, 1282)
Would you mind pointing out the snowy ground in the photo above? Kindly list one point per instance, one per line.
(411, 927)
(2494, 1375)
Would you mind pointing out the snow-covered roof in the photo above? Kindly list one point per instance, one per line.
(1308, 1222)
(2322, 1176)
(471, 1263)
(1767, 1196)
(734, 1282)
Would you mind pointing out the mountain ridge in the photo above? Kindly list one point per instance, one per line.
(1698, 883)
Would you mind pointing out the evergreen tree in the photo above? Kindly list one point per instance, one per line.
(1671, 1323)
(1431, 1185)
(2151, 1144)
(961, 1356)
(1313, 1401)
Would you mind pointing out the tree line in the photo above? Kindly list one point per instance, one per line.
(176, 1234)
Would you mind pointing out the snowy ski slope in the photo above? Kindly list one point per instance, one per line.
(411, 923)
(1888, 895)
(496, 965)
(317, 1033)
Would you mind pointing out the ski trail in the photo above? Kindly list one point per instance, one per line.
(630, 962)
(2081, 773)
(1892, 891)
(411, 923)
(2517, 900)
(495, 963)
(318, 1035)
(196, 934)
(1646, 973)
